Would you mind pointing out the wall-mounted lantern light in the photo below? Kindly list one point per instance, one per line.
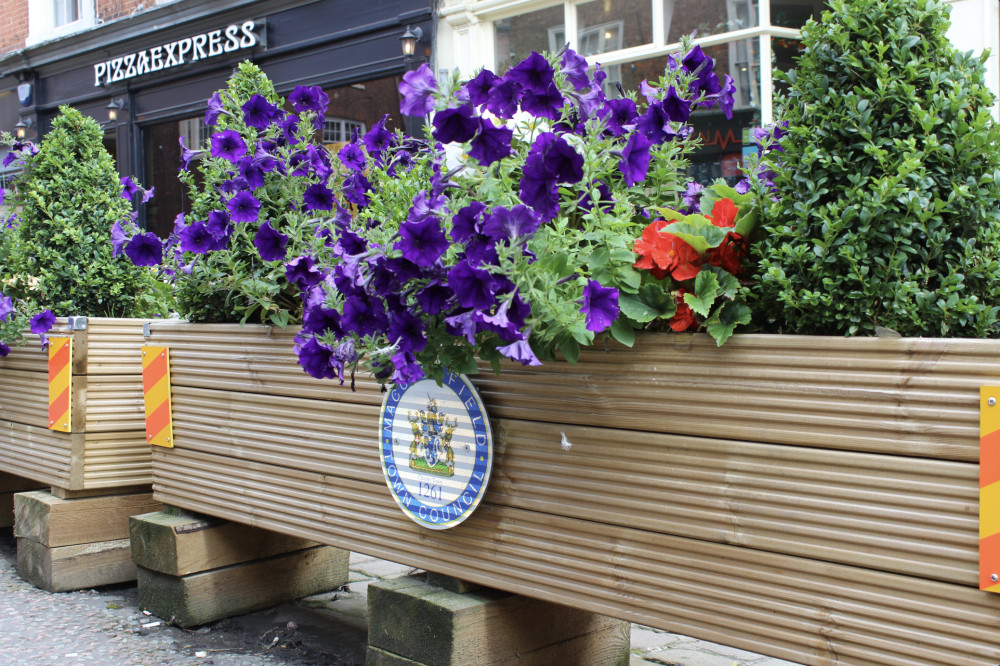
(21, 128)
(409, 40)
(114, 106)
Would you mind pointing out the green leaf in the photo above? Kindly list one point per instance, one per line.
(728, 317)
(702, 237)
(706, 288)
(623, 332)
(650, 303)
(569, 349)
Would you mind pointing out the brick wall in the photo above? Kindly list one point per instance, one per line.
(14, 26)
(109, 10)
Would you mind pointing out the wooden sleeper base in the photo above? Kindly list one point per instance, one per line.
(192, 571)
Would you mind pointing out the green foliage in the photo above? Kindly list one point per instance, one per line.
(235, 284)
(58, 255)
(887, 209)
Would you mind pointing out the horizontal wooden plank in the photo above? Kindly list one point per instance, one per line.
(913, 397)
(789, 607)
(906, 515)
(39, 454)
(116, 459)
(113, 346)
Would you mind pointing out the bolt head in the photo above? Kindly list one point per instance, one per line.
(994, 577)
(991, 402)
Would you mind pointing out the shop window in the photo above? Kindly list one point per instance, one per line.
(516, 37)
(337, 131)
(194, 132)
(51, 19)
(604, 26)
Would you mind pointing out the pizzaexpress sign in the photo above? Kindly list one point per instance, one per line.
(437, 449)
(173, 54)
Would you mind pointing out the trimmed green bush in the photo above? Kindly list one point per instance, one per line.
(59, 254)
(887, 210)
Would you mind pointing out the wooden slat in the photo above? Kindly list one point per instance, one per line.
(906, 515)
(116, 459)
(790, 607)
(39, 454)
(113, 346)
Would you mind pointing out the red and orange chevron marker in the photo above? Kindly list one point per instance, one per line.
(156, 395)
(989, 488)
(60, 384)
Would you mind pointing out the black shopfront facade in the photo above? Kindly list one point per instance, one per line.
(158, 68)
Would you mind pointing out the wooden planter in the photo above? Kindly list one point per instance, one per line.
(106, 448)
(814, 499)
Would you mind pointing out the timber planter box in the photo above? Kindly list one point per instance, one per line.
(106, 448)
(810, 498)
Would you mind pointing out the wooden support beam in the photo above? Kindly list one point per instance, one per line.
(43, 517)
(77, 567)
(413, 622)
(204, 597)
(182, 545)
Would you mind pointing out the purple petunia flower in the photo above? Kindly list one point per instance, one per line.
(352, 157)
(558, 158)
(456, 125)
(479, 87)
(407, 332)
(635, 159)
(233, 185)
(228, 144)
(364, 317)
(521, 352)
(214, 110)
(677, 109)
(244, 207)
(418, 88)
(433, 299)
(218, 223)
(187, 154)
(42, 322)
(316, 359)
(574, 67)
(600, 305)
(655, 124)
(270, 243)
(129, 188)
(473, 287)
(318, 197)
(145, 249)
(606, 199)
(356, 188)
(258, 112)
(545, 104)
(302, 272)
(252, 171)
(6, 307)
(621, 115)
(197, 239)
(504, 98)
(422, 242)
(691, 198)
(118, 239)
(519, 222)
(289, 126)
(534, 73)
(309, 98)
(407, 370)
(466, 222)
(320, 320)
(4, 350)
(378, 139)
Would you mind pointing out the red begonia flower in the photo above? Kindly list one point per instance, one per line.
(724, 213)
(684, 318)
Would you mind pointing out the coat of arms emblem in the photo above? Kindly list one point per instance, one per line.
(430, 450)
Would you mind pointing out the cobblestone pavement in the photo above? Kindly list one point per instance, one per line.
(106, 628)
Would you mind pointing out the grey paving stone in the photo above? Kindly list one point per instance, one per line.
(771, 661)
(685, 657)
(644, 638)
(724, 650)
(382, 569)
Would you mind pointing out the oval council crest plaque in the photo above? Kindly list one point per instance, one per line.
(437, 449)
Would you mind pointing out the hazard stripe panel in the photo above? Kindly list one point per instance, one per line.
(989, 488)
(156, 395)
(60, 384)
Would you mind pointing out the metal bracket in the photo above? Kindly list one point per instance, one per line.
(77, 323)
(145, 330)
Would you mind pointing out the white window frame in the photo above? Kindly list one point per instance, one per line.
(481, 14)
(41, 21)
(346, 125)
